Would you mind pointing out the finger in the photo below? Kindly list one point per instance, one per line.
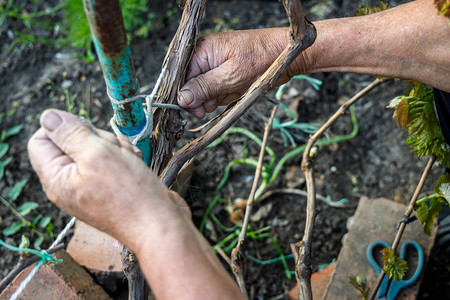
(125, 143)
(49, 161)
(106, 135)
(198, 112)
(208, 86)
(227, 99)
(67, 132)
(210, 105)
(200, 62)
(180, 202)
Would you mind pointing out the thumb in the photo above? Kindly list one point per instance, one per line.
(66, 131)
(207, 86)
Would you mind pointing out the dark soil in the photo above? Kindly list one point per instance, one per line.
(376, 163)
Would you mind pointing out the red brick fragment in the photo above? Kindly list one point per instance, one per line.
(66, 280)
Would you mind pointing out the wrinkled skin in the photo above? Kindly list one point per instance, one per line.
(225, 64)
(101, 180)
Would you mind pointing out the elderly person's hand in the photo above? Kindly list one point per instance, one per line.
(224, 66)
(99, 178)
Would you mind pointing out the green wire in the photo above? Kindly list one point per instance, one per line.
(42, 254)
(269, 261)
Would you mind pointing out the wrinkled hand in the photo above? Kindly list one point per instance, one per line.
(99, 178)
(224, 66)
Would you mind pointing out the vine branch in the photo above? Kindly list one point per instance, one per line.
(401, 228)
(302, 34)
(169, 125)
(237, 259)
(302, 251)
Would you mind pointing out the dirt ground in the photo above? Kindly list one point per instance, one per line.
(376, 163)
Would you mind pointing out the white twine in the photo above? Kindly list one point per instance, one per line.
(147, 130)
(33, 272)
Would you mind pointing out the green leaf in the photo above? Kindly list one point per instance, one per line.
(444, 191)
(14, 193)
(415, 111)
(394, 266)
(442, 188)
(359, 282)
(27, 207)
(24, 242)
(44, 222)
(4, 147)
(49, 228)
(3, 164)
(427, 214)
(38, 242)
(36, 219)
(11, 131)
(443, 179)
(13, 228)
(402, 114)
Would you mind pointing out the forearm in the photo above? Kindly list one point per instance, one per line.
(410, 41)
(179, 263)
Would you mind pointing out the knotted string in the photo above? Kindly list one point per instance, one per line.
(148, 128)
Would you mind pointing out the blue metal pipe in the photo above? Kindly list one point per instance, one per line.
(113, 51)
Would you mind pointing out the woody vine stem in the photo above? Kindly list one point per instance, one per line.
(302, 251)
(402, 226)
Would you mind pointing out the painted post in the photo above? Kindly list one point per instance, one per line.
(110, 40)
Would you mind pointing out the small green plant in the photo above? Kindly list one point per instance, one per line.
(68, 26)
(430, 206)
(30, 229)
(137, 17)
(73, 105)
(30, 21)
(394, 266)
(359, 282)
(414, 111)
(22, 225)
(4, 147)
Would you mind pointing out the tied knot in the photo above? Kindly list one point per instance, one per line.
(405, 219)
(48, 257)
(149, 105)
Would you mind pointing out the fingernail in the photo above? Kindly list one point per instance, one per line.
(51, 120)
(185, 98)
